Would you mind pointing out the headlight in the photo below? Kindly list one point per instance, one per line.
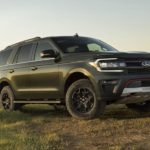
(112, 64)
(109, 65)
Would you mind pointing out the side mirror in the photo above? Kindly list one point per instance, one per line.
(48, 54)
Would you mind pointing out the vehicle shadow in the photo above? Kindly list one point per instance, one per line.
(119, 112)
(46, 111)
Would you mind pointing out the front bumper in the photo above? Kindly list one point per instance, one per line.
(124, 89)
(131, 90)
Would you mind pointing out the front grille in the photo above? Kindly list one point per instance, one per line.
(134, 63)
(135, 67)
(139, 71)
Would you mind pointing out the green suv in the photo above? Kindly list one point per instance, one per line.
(82, 73)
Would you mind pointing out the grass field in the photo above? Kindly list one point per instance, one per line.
(40, 127)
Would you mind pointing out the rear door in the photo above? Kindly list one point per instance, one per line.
(19, 71)
(44, 75)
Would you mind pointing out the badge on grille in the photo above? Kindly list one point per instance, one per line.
(146, 63)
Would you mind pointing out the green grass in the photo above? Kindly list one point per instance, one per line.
(40, 127)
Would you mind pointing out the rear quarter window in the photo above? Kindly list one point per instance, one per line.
(4, 55)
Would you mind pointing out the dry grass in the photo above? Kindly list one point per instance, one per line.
(42, 128)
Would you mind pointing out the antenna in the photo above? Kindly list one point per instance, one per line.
(76, 35)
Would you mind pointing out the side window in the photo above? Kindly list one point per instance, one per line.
(94, 47)
(24, 53)
(4, 55)
(41, 47)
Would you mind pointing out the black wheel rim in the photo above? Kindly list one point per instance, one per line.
(6, 101)
(83, 100)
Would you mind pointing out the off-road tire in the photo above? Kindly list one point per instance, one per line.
(98, 106)
(10, 106)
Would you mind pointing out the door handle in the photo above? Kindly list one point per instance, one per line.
(34, 68)
(11, 71)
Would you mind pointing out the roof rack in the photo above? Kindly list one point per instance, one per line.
(25, 41)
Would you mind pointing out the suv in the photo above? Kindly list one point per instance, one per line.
(82, 73)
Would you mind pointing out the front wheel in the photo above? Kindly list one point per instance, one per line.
(81, 101)
(142, 107)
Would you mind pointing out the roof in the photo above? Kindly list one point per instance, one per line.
(38, 38)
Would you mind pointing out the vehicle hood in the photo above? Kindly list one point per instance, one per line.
(124, 55)
(119, 55)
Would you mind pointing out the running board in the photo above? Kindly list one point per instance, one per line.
(38, 102)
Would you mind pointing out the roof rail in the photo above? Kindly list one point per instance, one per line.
(35, 38)
(25, 41)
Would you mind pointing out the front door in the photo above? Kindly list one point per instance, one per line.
(44, 76)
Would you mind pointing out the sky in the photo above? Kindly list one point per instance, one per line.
(124, 24)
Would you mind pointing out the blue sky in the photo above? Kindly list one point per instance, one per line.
(125, 24)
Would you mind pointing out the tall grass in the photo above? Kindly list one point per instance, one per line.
(40, 127)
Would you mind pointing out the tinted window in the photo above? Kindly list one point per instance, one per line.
(41, 47)
(24, 53)
(81, 44)
(4, 55)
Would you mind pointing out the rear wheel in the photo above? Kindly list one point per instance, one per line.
(81, 100)
(143, 107)
(7, 99)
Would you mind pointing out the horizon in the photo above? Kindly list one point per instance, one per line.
(123, 24)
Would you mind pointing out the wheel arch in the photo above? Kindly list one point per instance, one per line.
(4, 83)
(75, 75)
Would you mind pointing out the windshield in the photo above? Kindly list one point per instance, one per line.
(82, 44)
